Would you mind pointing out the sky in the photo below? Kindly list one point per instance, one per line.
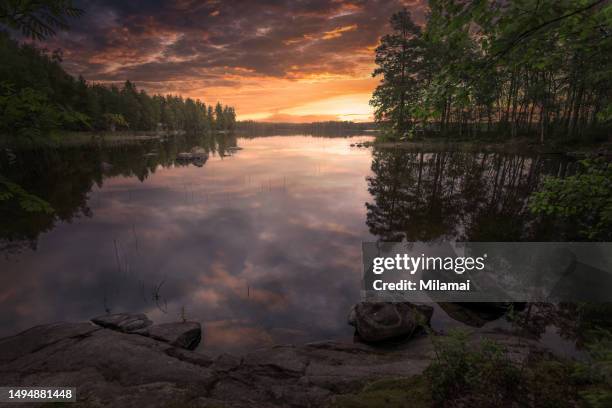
(273, 60)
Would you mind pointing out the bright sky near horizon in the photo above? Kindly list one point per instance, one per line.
(295, 61)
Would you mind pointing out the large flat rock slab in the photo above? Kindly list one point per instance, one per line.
(113, 368)
(40, 337)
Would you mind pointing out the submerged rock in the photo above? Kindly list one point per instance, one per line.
(125, 322)
(381, 321)
(185, 335)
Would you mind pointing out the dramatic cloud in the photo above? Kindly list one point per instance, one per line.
(268, 58)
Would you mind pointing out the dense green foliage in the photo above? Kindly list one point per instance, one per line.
(28, 202)
(521, 68)
(398, 56)
(474, 374)
(595, 375)
(467, 372)
(583, 200)
(37, 96)
(484, 374)
(37, 19)
(413, 392)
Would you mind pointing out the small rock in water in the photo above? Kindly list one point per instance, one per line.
(124, 322)
(185, 335)
(198, 152)
(106, 166)
(184, 156)
(385, 320)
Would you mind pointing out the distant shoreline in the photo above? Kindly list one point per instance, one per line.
(434, 144)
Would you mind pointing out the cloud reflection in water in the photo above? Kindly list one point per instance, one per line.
(262, 247)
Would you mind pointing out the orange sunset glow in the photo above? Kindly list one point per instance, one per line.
(273, 61)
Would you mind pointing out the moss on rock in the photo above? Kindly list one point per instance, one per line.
(411, 392)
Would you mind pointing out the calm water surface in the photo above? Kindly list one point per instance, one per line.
(261, 245)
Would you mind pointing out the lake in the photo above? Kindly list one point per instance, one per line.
(260, 243)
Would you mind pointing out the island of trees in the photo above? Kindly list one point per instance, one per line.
(541, 70)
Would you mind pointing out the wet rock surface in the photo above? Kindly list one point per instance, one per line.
(124, 322)
(185, 335)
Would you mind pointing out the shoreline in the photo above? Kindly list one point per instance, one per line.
(111, 367)
(127, 360)
(513, 146)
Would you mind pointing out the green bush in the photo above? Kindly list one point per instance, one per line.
(480, 373)
(11, 192)
(410, 392)
(584, 199)
(27, 112)
(596, 374)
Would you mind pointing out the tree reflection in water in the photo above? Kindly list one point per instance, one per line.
(454, 195)
(64, 177)
(467, 196)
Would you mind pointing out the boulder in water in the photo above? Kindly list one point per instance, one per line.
(381, 321)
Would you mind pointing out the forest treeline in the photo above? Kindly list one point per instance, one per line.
(37, 96)
(252, 128)
(517, 68)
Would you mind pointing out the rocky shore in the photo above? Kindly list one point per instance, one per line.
(126, 361)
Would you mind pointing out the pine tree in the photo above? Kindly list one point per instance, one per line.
(397, 57)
